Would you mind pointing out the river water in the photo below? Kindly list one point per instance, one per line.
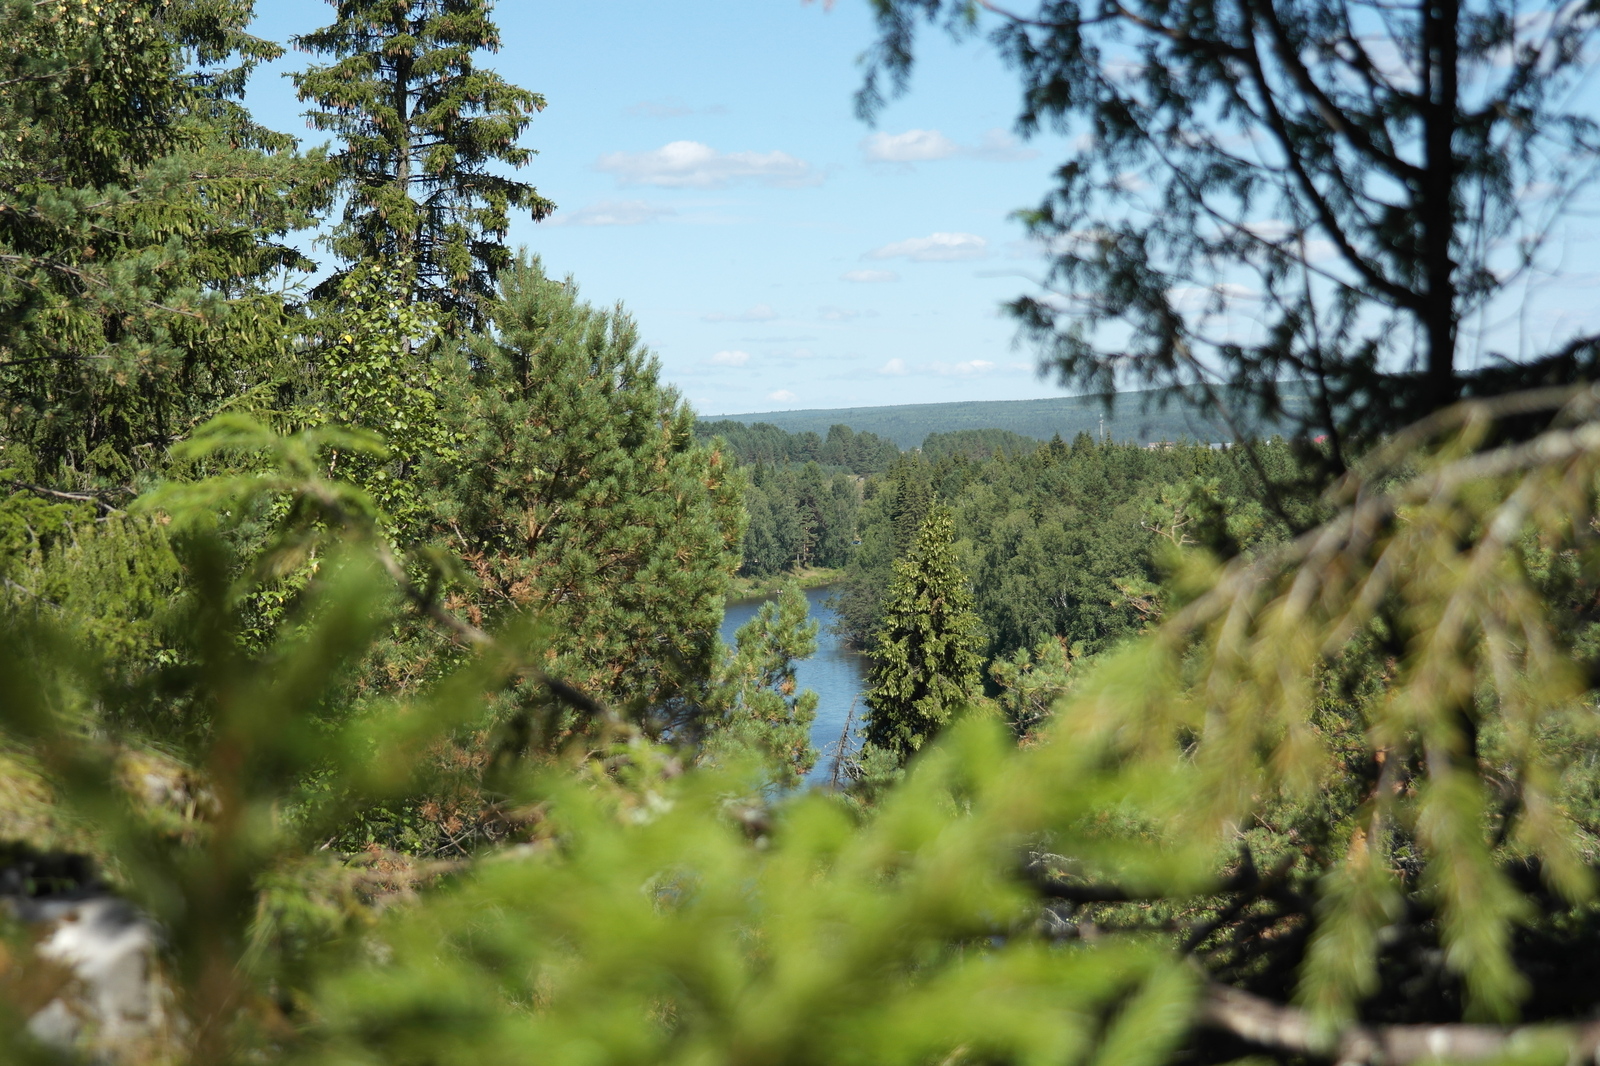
(836, 673)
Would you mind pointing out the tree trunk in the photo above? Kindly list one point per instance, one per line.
(405, 236)
(1440, 25)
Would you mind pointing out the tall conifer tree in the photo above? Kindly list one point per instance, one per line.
(913, 495)
(925, 654)
(141, 223)
(421, 125)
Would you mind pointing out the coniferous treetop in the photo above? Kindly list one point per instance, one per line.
(925, 660)
(142, 218)
(422, 128)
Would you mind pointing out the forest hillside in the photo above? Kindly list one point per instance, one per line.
(363, 693)
(1139, 417)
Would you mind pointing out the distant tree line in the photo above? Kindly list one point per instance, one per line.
(799, 517)
(1056, 539)
(804, 491)
(843, 447)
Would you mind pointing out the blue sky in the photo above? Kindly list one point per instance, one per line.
(778, 253)
(711, 174)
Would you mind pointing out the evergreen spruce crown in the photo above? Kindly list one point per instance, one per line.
(925, 656)
(422, 126)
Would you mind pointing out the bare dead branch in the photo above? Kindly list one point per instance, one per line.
(82, 497)
(1290, 1030)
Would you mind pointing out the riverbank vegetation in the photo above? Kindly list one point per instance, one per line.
(361, 695)
(771, 586)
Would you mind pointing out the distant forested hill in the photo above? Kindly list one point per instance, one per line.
(1137, 417)
(840, 446)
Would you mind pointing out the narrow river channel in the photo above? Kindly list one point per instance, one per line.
(836, 673)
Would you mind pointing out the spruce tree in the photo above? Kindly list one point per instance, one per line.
(925, 653)
(421, 126)
(912, 496)
(142, 218)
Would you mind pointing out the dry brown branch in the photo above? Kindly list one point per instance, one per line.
(85, 497)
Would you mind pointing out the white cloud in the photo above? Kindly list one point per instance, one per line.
(970, 368)
(1072, 242)
(1123, 69)
(758, 313)
(936, 248)
(894, 366)
(1269, 229)
(843, 314)
(926, 146)
(1197, 299)
(912, 146)
(999, 146)
(692, 165)
(869, 277)
(652, 109)
(1320, 251)
(1389, 59)
(729, 359)
(615, 213)
(782, 396)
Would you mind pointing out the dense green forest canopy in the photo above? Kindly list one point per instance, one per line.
(842, 446)
(361, 692)
(977, 443)
(1063, 541)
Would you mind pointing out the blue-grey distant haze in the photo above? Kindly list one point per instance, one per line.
(778, 253)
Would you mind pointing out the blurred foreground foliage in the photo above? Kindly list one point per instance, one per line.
(1356, 768)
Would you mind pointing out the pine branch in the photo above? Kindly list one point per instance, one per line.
(471, 636)
(84, 497)
(1247, 880)
(90, 278)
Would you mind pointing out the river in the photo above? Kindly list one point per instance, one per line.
(836, 673)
